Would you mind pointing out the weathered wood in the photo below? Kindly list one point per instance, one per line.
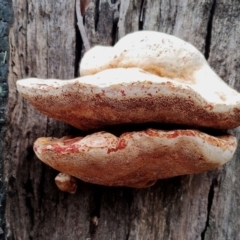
(44, 43)
(5, 21)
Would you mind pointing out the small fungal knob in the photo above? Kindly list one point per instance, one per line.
(66, 183)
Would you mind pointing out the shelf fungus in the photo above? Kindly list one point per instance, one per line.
(146, 79)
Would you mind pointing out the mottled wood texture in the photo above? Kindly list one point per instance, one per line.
(5, 21)
(44, 42)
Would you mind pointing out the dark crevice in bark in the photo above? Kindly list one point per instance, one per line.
(210, 201)
(11, 187)
(2, 184)
(41, 186)
(97, 14)
(114, 32)
(115, 27)
(95, 212)
(47, 59)
(26, 43)
(47, 126)
(209, 30)
(141, 16)
(78, 50)
(174, 21)
(130, 199)
(28, 201)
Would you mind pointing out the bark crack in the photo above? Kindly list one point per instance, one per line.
(116, 7)
(209, 207)
(95, 212)
(114, 32)
(78, 50)
(80, 24)
(130, 204)
(97, 10)
(142, 15)
(28, 186)
(209, 30)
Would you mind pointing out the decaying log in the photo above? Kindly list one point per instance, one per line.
(44, 42)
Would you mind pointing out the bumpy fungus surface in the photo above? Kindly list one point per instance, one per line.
(135, 159)
(117, 96)
(146, 77)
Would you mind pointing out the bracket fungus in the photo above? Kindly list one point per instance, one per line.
(147, 77)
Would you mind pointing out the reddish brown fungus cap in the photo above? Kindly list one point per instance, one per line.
(135, 159)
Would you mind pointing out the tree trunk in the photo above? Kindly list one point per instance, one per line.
(44, 42)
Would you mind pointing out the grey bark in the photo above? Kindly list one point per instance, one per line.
(44, 42)
(5, 21)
